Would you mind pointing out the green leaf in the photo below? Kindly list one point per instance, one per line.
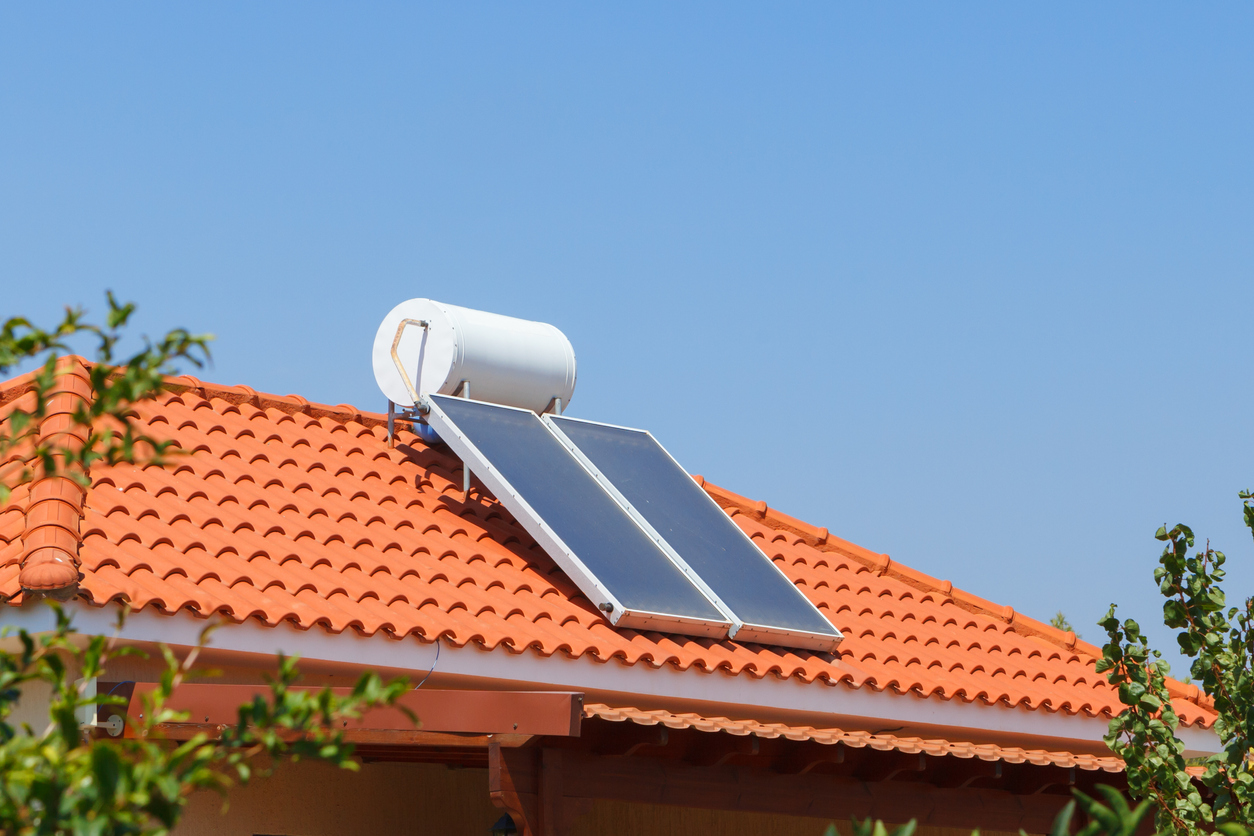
(906, 829)
(1234, 829)
(1062, 822)
(105, 766)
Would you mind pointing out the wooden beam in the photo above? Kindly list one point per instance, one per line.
(364, 737)
(550, 801)
(453, 756)
(529, 785)
(803, 757)
(952, 774)
(889, 765)
(1026, 779)
(718, 749)
(519, 714)
(628, 738)
(513, 785)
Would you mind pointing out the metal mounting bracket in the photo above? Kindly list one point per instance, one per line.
(413, 415)
(464, 391)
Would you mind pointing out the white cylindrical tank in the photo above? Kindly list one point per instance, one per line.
(505, 360)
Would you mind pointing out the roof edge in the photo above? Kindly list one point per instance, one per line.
(882, 741)
(821, 539)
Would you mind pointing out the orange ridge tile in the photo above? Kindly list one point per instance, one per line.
(50, 562)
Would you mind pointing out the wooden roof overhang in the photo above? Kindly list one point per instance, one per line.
(546, 785)
(454, 726)
(550, 756)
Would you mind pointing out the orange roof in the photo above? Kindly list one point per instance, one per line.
(290, 511)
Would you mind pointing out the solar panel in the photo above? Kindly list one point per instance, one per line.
(771, 608)
(612, 559)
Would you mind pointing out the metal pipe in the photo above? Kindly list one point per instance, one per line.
(396, 341)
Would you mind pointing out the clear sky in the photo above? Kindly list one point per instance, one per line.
(969, 284)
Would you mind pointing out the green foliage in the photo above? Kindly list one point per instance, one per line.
(63, 779)
(1117, 819)
(1060, 621)
(866, 827)
(1220, 641)
(105, 419)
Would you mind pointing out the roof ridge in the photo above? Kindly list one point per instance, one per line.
(50, 540)
(819, 538)
(14, 388)
(290, 404)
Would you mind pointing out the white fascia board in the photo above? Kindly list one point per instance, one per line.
(740, 694)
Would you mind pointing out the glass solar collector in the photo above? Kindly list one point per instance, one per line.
(755, 591)
(586, 531)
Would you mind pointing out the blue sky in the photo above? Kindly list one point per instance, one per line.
(968, 284)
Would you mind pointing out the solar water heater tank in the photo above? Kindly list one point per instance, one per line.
(425, 347)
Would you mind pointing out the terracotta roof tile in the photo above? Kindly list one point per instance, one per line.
(290, 511)
(854, 739)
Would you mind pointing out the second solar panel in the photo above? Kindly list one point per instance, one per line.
(746, 582)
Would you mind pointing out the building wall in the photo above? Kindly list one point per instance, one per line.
(619, 819)
(312, 799)
(32, 707)
(612, 818)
